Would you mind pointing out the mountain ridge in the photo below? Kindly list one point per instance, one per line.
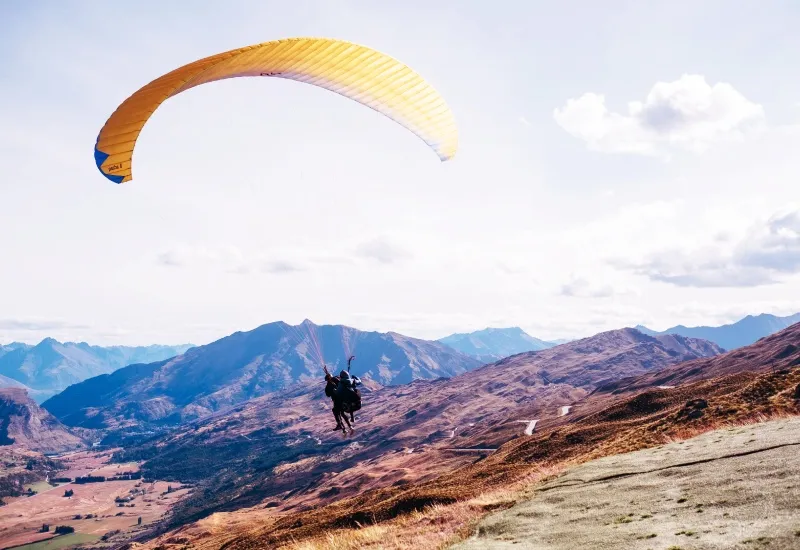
(247, 364)
(50, 366)
(731, 336)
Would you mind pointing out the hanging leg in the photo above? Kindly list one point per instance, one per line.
(336, 415)
(344, 430)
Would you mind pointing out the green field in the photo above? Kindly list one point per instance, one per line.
(61, 541)
(39, 486)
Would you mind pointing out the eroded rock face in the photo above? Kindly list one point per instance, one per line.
(24, 424)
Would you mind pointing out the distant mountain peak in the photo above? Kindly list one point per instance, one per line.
(51, 366)
(491, 343)
(506, 330)
(48, 342)
(743, 332)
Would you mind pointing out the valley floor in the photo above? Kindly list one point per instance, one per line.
(93, 510)
(731, 488)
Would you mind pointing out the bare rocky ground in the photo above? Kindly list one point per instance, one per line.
(726, 489)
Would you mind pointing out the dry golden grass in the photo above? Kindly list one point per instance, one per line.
(687, 432)
(439, 526)
(433, 514)
(435, 527)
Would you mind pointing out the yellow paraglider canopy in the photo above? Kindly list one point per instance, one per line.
(357, 72)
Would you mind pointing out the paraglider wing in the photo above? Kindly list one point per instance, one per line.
(357, 72)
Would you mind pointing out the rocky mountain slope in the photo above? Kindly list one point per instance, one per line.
(773, 353)
(245, 365)
(735, 335)
(24, 424)
(51, 366)
(492, 344)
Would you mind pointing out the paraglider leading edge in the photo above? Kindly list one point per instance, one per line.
(357, 72)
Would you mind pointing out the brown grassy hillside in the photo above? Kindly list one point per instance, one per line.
(606, 423)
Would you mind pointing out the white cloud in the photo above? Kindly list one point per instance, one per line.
(37, 325)
(581, 287)
(34, 330)
(687, 113)
(382, 250)
(281, 260)
(282, 266)
(767, 252)
(194, 255)
(231, 259)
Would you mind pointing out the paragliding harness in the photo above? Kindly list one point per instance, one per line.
(344, 392)
(348, 390)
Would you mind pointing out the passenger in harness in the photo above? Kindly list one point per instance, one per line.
(331, 382)
(343, 391)
(347, 393)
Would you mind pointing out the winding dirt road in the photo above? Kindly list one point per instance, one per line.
(531, 425)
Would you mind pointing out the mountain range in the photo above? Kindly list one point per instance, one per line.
(250, 364)
(436, 442)
(51, 366)
(404, 432)
(245, 419)
(744, 332)
(491, 344)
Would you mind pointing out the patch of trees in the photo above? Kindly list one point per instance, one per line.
(64, 530)
(110, 534)
(90, 479)
(61, 480)
(69, 493)
(127, 476)
(45, 528)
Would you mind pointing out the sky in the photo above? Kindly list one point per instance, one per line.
(619, 163)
